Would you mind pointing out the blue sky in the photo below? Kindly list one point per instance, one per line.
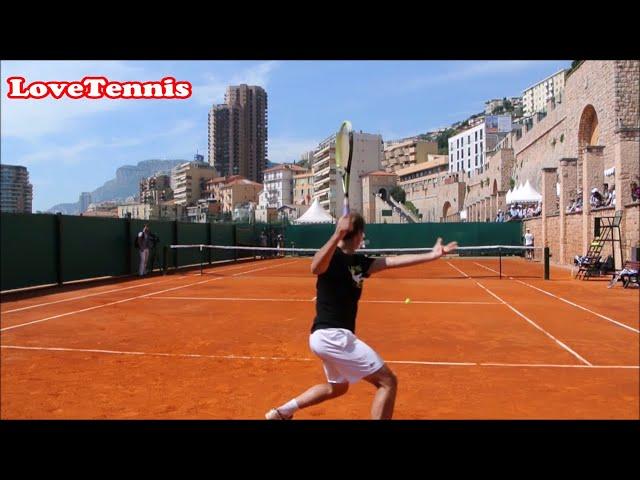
(70, 146)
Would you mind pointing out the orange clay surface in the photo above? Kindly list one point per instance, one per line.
(232, 343)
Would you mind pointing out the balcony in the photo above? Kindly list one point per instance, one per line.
(319, 163)
(322, 192)
(321, 173)
(319, 185)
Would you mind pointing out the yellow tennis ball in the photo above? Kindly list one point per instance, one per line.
(407, 300)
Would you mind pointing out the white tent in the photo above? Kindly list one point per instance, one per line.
(315, 214)
(525, 194)
(507, 197)
(513, 195)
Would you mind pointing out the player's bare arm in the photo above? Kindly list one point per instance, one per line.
(438, 250)
(322, 258)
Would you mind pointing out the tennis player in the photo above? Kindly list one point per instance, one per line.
(346, 358)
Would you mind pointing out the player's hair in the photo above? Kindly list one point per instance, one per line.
(358, 225)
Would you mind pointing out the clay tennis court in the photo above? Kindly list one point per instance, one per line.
(232, 343)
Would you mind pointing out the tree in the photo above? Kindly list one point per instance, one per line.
(398, 194)
(412, 208)
(443, 141)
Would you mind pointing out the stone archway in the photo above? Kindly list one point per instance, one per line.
(383, 194)
(445, 210)
(588, 134)
(589, 129)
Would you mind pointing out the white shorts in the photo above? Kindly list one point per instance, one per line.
(345, 358)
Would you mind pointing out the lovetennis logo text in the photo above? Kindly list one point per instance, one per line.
(99, 87)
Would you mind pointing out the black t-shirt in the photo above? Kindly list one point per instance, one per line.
(338, 291)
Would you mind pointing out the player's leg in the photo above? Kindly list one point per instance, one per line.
(313, 396)
(321, 392)
(387, 384)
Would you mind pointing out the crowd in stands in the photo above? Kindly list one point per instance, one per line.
(597, 200)
(519, 212)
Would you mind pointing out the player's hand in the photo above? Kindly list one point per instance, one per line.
(439, 249)
(344, 226)
(450, 247)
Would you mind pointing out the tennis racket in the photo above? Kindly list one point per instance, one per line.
(344, 154)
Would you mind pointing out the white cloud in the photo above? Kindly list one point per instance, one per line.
(468, 71)
(213, 90)
(68, 154)
(71, 154)
(286, 150)
(29, 119)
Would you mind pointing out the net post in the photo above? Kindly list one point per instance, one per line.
(165, 256)
(201, 258)
(500, 260)
(546, 263)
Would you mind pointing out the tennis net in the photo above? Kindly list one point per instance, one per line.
(499, 261)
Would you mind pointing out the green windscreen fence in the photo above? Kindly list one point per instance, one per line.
(46, 249)
(412, 235)
(222, 234)
(41, 249)
(28, 249)
(93, 247)
(191, 234)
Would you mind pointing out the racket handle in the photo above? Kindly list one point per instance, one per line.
(345, 208)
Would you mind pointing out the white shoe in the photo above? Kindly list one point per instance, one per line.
(274, 414)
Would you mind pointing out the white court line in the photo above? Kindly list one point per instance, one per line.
(488, 268)
(453, 266)
(569, 302)
(537, 326)
(132, 298)
(80, 297)
(582, 308)
(530, 321)
(237, 299)
(103, 293)
(297, 359)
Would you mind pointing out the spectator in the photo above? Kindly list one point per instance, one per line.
(538, 209)
(613, 196)
(528, 242)
(635, 192)
(596, 198)
(606, 195)
(144, 242)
